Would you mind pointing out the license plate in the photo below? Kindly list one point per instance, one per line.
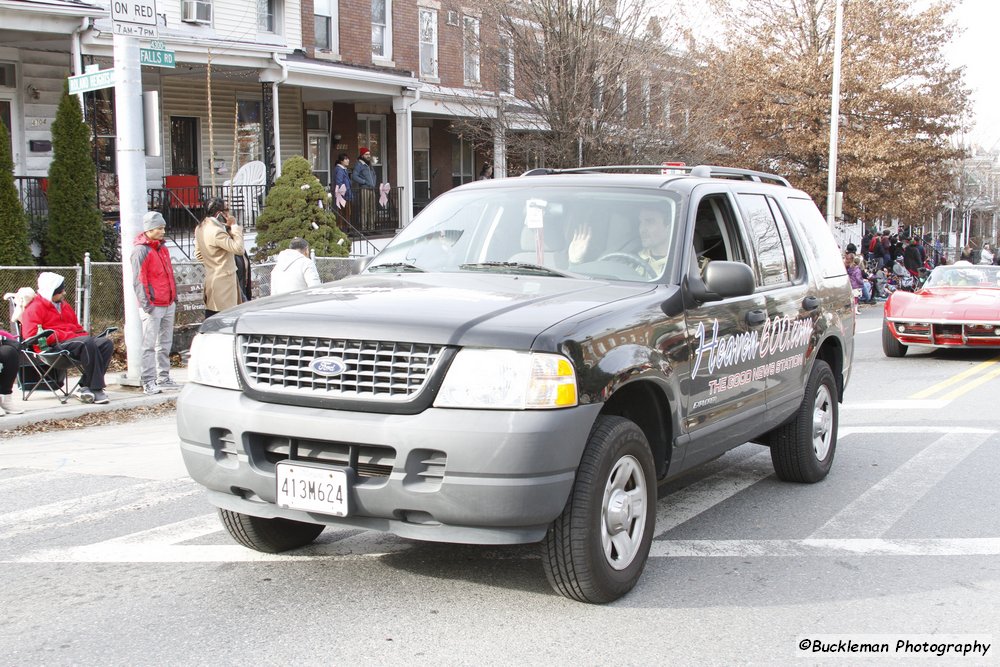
(312, 488)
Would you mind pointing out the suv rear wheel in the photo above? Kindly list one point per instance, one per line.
(268, 535)
(802, 449)
(597, 548)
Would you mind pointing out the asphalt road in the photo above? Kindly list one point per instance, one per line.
(109, 555)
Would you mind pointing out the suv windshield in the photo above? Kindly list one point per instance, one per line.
(610, 234)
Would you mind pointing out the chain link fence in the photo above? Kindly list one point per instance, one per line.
(99, 292)
(13, 278)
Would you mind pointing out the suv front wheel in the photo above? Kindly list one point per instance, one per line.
(597, 548)
(802, 449)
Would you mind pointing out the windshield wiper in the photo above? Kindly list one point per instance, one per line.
(398, 266)
(515, 267)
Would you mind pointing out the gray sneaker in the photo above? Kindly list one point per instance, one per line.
(100, 398)
(166, 384)
(84, 394)
(150, 388)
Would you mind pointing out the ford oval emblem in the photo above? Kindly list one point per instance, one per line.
(328, 366)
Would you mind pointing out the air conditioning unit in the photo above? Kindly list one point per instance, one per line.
(196, 11)
(452, 17)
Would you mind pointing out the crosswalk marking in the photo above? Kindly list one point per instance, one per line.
(876, 510)
(689, 502)
(969, 546)
(92, 508)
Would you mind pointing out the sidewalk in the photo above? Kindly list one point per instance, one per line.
(44, 406)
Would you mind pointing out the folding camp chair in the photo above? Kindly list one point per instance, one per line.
(46, 369)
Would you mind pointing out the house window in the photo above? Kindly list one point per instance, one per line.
(8, 75)
(100, 105)
(463, 167)
(268, 16)
(382, 29)
(421, 164)
(470, 42)
(428, 42)
(318, 128)
(327, 25)
(506, 74)
(249, 132)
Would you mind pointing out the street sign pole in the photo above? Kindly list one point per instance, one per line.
(131, 185)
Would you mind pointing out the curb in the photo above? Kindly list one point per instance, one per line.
(11, 422)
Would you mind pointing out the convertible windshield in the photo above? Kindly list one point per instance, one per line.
(543, 231)
(973, 275)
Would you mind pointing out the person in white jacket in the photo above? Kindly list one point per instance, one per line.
(294, 269)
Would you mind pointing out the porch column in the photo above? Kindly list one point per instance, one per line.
(404, 151)
(499, 151)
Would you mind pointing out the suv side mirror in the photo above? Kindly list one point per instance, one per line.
(721, 280)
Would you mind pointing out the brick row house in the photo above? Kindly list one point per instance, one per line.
(260, 81)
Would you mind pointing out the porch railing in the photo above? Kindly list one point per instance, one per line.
(184, 207)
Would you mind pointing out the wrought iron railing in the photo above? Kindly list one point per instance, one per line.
(184, 207)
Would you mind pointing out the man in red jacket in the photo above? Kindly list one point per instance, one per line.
(153, 280)
(49, 310)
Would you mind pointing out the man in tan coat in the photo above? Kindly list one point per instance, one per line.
(218, 239)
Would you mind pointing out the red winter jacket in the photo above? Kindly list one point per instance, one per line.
(43, 313)
(152, 273)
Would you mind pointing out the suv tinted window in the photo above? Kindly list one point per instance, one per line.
(772, 268)
(816, 236)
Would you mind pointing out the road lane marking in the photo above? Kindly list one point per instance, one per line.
(972, 384)
(897, 404)
(845, 431)
(781, 548)
(879, 328)
(89, 509)
(706, 493)
(958, 377)
(876, 510)
(965, 546)
(171, 533)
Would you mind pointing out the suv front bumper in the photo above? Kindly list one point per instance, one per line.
(500, 477)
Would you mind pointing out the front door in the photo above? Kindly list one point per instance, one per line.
(371, 134)
(184, 145)
(725, 391)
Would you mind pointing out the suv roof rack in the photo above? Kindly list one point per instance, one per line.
(700, 171)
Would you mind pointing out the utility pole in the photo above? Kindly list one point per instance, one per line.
(131, 161)
(831, 185)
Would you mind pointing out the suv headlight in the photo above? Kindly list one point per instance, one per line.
(213, 361)
(508, 380)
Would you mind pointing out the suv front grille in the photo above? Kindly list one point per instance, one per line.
(368, 370)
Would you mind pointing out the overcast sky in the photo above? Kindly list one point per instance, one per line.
(976, 50)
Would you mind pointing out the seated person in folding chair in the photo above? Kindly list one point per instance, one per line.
(49, 310)
(10, 357)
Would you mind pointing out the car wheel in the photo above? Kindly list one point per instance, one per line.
(802, 449)
(268, 535)
(597, 548)
(890, 344)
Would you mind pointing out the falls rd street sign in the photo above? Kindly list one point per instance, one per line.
(84, 83)
(156, 57)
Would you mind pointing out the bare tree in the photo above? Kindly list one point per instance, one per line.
(900, 100)
(590, 80)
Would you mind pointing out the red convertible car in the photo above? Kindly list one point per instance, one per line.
(958, 306)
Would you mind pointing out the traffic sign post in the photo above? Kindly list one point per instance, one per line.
(84, 83)
(134, 18)
(156, 57)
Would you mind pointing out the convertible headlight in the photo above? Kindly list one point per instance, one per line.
(508, 380)
(213, 361)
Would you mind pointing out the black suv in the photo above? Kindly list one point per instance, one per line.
(527, 361)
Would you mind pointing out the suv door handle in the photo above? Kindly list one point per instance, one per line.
(810, 303)
(755, 318)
